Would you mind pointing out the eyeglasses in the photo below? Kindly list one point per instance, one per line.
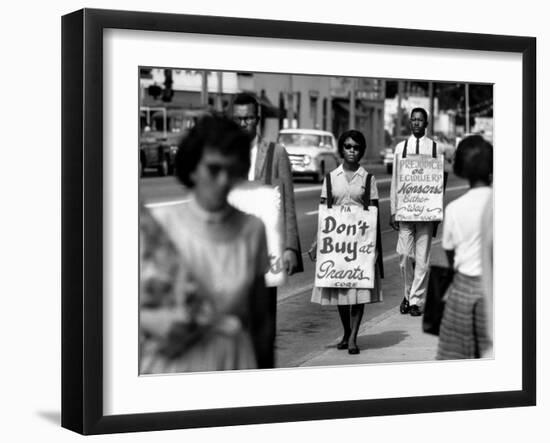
(248, 119)
(349, 147)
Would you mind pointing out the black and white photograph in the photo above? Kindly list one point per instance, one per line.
(293, 221)
(274, 221)
(218, 225)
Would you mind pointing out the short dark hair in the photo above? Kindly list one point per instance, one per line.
(474, 159)
(244, 98)
(357, 137)
(217, 133)
(422, 111)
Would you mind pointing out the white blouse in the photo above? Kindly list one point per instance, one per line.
(462, 228)
(351, 192)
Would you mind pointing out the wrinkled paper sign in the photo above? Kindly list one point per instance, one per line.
(346, 247)
(419, 189)
(265, 203)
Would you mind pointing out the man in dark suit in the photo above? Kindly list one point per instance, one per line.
(270, 165)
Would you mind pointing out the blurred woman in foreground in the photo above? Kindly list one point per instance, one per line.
(203, 299)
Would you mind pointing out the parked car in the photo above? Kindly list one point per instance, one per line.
(388, 153)
(161, 131)
(157, 152)
(311, 152)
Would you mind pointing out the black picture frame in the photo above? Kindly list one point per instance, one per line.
(82, 220)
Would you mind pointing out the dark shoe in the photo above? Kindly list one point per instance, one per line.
(415, 311)
(342, 345)
(353, 350)
(404, 308)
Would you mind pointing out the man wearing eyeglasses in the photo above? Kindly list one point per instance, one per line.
(269, 164)
(414, 241)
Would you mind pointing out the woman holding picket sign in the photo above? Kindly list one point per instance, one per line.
(350, 185)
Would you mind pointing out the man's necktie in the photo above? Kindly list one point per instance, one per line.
(417, 146)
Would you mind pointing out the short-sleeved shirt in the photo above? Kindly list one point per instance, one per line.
(462, 229)
(351, 192)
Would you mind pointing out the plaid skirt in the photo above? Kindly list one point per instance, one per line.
(463, 332)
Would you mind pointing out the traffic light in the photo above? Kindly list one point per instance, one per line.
(154, 91)
(168, 92)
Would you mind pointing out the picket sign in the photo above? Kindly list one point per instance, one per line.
(346, 247)
(265, 203)
(419, 190)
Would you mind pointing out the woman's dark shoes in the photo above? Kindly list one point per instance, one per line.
(404, 307)
(353, 350)
(342, 345)
(415, 311)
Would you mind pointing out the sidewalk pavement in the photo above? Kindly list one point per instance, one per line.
(390, 337)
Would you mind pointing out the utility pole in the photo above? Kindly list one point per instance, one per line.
(219, 104)
(352, 104)
(432, 117)
(290, 105)
(399, 109)
(467, 106)
(204, 89)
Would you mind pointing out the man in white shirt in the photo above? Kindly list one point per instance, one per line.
(269, 164)
(415, 238)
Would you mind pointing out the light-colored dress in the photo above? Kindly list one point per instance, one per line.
(224, 254)
(351, 193)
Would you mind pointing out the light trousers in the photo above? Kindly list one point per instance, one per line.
(413, 246)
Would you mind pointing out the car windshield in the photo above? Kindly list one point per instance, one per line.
(295, 139)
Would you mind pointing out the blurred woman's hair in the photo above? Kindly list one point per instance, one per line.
(474, 159)
(357, 137)
(215, 133)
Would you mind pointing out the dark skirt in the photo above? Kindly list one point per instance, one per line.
(463, 332)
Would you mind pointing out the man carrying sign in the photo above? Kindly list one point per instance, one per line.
(269, 164)
(415, 235)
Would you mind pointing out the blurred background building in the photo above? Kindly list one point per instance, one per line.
(172, 99)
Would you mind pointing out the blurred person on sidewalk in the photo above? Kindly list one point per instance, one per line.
(463, 332)
(349, 183)
(269, 164)
(487, 270)
(414, 241)
(203, 298)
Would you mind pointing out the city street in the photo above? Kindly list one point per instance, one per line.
(306, 329)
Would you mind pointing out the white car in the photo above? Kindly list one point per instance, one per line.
(312, 152)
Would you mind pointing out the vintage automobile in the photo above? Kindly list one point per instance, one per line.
(161, 131)
(312, 152)
(387, 159)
